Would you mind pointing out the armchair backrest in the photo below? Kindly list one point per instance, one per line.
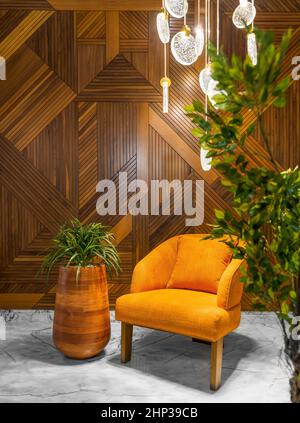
(183, 262)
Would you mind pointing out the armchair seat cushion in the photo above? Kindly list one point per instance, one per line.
(191, 313)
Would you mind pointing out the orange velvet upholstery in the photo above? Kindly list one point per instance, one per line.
(204, 315)
(199, 264)
(191, 313)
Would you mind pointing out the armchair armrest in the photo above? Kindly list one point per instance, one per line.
(154, 270)
(230, 289)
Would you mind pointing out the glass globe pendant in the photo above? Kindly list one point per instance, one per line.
(213, 91)
(244, 13)
(205, 161)
(252, 47)
(177, 8)
(165, 83)
(199, 40)
(205, 78)
(162, 25)
(183, 47)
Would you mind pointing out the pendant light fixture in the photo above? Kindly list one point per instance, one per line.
(204, 160)
(177, 8)
(252, 44)
(183, 45)
(162, 23)
(244, 13)
(199, 37)
(165, 83)
(212, 86)
(205, 74)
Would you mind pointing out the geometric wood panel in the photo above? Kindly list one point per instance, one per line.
(82, 102)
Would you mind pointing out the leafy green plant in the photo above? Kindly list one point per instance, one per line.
(265, 207)
(82, 245)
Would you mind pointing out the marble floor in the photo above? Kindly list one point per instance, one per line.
(164, 367)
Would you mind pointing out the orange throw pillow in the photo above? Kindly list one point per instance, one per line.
(199, 264)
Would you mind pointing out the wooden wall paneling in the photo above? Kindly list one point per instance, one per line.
(31, 97)
(112, 35)
(22, 29)
(68, 119)
(55, 153)
(33, 189)
(91, 26)
(25, 5)
(117, 137)
(119, 82)
(141, 223)
(269, 6)
(156, 61)
(55, 43)
(175, 141)
(110, 5)
(88, 152)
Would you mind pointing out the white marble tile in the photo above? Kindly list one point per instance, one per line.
(164, 367)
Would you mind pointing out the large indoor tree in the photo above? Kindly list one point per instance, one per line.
(265, 206)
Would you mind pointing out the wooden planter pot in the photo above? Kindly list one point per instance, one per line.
(81, 327)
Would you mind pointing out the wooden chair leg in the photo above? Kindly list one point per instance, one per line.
(216, 364)
(126, 342)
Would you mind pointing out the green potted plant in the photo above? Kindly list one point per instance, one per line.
(265, 206)
(81, 327)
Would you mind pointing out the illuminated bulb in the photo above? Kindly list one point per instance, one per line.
(165, 84)
(205, 161)
(183, 47)
(205, 78)
(245, 12)
(252, 47)
(163, 29)
(199, 40)
(177, 8)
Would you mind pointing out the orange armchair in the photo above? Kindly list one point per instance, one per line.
(186, 286)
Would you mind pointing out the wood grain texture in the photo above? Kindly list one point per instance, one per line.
(112, 35)
(81, 327)
(119, 82)
(22, 31)
(105, 4)
(68, 119)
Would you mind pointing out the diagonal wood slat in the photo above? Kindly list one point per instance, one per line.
(20, 34)
(120, 82)
(31, 98)
(33, 189)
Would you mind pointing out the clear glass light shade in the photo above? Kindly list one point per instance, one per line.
(205, 78)
(177, 8)
(245, 12)
(199, 40)
(252, 48)
(213, 91)
(183, 47)
(163, 29)
(205, 161)
(165, 84)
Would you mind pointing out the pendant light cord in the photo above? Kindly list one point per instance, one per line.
(184, 18)
(253, 19)
(165, 59)
(218, 26)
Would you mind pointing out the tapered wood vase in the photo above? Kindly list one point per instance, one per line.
(81, 327)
